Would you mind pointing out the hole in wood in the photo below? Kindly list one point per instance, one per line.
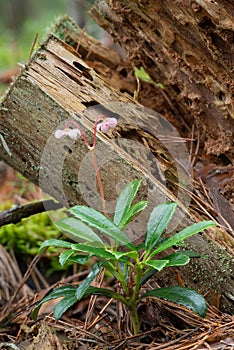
(128, 91)
(70, 76)
(83, 69)
(123, 72)
(90, 103)
(157, 33)
(221, 96)
(206, 23)
(176, 88)
(218, 42)
(187, 101)
(66, 148)
(224, 159)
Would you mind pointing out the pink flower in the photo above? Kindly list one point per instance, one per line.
(72, 133)
(107, 124)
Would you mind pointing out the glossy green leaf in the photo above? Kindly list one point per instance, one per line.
(157, 264)
(88, 280)
(100, 291)
(182, 296)
(98, 252)
(102, 223)
(158, 221)
(80, 259)
(177, 259)
(63, 305)
(127, 255)
(78, 231)
(173, 260)
(54, 243)
(64, 256)
(182, 235)
(193, 254)
(124, 202)
(105, 292)
(64, 291)
(140, 246)
(135, 209)
(69, 295)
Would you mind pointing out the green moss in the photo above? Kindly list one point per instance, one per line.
(200, 270)
(26, 237)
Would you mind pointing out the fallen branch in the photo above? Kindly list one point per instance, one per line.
(16, 214)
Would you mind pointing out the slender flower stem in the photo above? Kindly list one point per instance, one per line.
(95, 130)
(91, 149)
(106, 124)
(72, 122)
(99, 182)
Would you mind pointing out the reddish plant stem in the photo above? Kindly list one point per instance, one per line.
(91, 149)
(70, 122)
(99, 182)
(100, 117)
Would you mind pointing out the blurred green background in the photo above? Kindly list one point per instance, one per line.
(20, 20)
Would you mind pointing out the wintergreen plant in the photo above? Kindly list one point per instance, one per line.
(131, 265)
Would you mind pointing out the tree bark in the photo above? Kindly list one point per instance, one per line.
(57, 83)
(188, 47)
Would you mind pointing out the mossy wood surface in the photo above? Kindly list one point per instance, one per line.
(56, 83)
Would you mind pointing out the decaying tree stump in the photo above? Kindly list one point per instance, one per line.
(57, 83)
(188, 47)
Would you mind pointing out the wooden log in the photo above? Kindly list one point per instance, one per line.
(188, 47)
(58, 83)
(115, 70)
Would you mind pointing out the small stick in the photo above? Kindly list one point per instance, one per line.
(94, 298)
(23, 281)
(100, 314)
(79, 41)
(33, 46)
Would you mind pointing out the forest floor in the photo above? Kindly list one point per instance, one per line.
(94, 323)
